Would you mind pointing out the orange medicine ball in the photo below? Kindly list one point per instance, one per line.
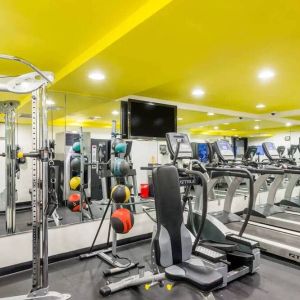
(122, 220)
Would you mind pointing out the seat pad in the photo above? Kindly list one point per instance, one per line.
(193, 271)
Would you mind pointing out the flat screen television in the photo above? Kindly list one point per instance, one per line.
(150, 120)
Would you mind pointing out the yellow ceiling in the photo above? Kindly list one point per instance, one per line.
(161, 49)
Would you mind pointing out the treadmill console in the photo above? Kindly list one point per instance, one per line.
(224, 150)
(270, 151)
(250, 152)
(292, 150)
(185, 149)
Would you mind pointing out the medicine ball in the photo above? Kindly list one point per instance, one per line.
(76, 164)
(122, 220)
(73, 202)
(115, 142)
(120, 167)
(120, 148)
(120, 193)
(76, 147)
(75, 183)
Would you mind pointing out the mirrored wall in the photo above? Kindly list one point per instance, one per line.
(80, 128)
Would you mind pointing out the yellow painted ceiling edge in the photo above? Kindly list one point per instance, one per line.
(138, 17)
(135, 19)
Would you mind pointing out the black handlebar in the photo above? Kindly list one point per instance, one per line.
(204, 201)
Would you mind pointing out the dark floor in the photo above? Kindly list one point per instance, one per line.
(275, 280)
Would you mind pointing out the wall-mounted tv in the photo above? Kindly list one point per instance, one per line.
(150, 120)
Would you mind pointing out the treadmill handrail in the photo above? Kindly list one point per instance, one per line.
(249, 176)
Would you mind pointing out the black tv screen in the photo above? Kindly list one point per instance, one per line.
(148, 119)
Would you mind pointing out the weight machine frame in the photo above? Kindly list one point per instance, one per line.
(9, 109)
(36, 83)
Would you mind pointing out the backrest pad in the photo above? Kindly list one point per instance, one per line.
(172, 242)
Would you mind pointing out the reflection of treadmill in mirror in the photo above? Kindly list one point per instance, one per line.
(275, 240)
(288, 202)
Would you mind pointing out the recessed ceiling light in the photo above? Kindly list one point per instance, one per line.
(257, 120)
(266, 74)
(198, 92)
(210, 114)
(288, 124)
(256, 127)
(226, 123)
(95, 118)
(260, 105)
(115, 112)
(179, 119)
(233, 129)
(50, 102)
(97, 76)
(216, 128)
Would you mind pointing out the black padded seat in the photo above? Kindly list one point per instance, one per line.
(194, 272)
(173, 242)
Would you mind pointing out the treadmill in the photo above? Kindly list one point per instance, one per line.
(278, 241)
(269, 213)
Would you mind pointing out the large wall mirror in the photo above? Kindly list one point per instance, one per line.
(80, 127)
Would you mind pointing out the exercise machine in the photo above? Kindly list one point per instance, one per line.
(290, 168)
(36, 83)
(171, 247)
(269, 213)
(231, 254)
(274, 240)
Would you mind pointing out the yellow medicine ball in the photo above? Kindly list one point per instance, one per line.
(120, 193)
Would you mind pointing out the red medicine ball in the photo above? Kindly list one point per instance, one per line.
(122, 220)
(74, 202)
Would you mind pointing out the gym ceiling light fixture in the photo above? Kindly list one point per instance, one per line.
(266, 74)
(98, 76)
(216, 127)
(50, 102)
(179, 119)
(260, 105)
(256, 127)
(198, 92)
(210, 114)
(226, 123)
(257, 120)
(288, 124)
(115, 112)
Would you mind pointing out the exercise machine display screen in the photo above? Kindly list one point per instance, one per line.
(185, 150)
(203, 152)
(260, 150)
(225, 150)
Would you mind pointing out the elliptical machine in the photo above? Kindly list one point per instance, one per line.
(232, 254)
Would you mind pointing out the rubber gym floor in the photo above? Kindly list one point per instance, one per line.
(276, 279)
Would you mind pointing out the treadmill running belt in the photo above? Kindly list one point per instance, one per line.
(267, 234)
